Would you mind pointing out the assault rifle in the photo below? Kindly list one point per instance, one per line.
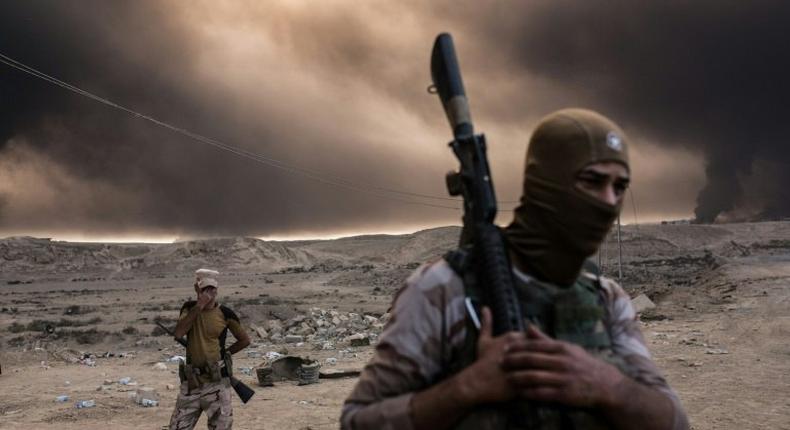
(481, 240)
(242, 390)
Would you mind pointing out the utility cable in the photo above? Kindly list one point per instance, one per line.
(308, 173)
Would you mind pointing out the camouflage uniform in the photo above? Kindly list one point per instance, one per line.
(429, 329)
(213, 398)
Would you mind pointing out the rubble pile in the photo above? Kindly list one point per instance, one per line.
(324, 329)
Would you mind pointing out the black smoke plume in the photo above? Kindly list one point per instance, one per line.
(709, 75)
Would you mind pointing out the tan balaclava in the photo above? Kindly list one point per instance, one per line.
(557, 226)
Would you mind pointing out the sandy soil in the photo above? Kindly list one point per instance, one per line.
(719, 331)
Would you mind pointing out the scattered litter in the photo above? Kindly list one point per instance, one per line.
(61, 399)
(176, 359)
(272, 355)
(264, 376)
(331, 361)
(327, 346)
(67, 383)
(149, 403)
(160, 366)
(254, 354)
(125, 381)
(85, 404)
(245, 370)
(147, 397)
(170, 386)
(308, 372)
(716, 351)
(88, 361)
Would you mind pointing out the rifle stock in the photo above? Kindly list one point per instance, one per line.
(242, 390)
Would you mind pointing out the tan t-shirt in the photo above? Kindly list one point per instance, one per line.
(203, 339)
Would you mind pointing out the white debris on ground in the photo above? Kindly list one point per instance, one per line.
(324, 329)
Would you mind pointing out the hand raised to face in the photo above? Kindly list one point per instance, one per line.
(206, 296)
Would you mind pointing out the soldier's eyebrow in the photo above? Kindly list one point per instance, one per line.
(592, 175)
(596, 176)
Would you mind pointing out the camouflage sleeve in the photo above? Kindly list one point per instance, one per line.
(410, 352)
(629, 344)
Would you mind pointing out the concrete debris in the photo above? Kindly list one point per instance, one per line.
(160, 366)
(260, 331)
(642, 303)
(359, 339)
(292, 338)
(323, 328)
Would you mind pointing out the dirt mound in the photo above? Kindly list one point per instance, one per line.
(26, 255)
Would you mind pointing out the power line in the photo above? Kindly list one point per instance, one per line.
(293, 169)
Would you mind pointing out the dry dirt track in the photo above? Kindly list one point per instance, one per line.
(719, 332)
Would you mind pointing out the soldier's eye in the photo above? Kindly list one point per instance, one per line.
(620, 187)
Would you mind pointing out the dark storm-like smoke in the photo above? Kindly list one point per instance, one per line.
(341, 89)
(108, 172)
(711, 75)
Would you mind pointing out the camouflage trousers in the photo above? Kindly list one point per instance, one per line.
(213, 398)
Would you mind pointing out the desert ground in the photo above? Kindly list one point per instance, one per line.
(76, 318)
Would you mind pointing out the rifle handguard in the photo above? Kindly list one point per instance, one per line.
(499, 278)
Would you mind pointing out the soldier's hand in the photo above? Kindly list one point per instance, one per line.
(549, 370)
(485, 381)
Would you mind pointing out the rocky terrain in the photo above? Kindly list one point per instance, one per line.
(76, 319)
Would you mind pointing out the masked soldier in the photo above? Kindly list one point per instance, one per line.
(205, 386)
(582, 363)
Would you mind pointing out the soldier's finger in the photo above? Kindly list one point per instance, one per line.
(536, 378)
(533, 332)
(533, 360)
(548, 346)
(543, 394)
(486, 325)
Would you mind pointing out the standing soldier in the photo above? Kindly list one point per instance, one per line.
(581, 364)
(205, 385)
